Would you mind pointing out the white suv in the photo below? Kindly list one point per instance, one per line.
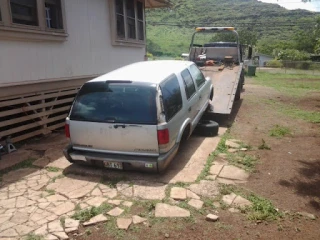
(135, 117)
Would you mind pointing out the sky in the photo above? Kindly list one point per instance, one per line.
(314, 5)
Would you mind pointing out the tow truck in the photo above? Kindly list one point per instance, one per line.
(223, 63)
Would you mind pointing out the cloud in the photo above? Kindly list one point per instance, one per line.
(296, 4)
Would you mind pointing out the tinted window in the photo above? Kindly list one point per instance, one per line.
(119, 102)
(197, 75)
(188, 83)
(171, 95)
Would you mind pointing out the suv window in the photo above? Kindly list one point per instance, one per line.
(188, 83)
(197, 75)
(116, 102)
(171, 95)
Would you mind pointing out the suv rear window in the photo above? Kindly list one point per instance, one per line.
(116, 102)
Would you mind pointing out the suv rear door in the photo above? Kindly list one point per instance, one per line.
(203, 90)
(115, 117)
(191, 94)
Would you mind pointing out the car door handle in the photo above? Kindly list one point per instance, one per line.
(189, 109)
(200, 97)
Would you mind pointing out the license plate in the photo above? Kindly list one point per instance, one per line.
(115, 165)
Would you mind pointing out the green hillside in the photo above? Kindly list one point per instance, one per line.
(169, 31)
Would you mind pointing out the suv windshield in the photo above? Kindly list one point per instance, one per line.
(116, 102)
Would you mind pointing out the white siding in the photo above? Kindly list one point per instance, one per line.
(87, 51)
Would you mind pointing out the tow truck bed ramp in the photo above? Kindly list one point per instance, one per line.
(225, 85)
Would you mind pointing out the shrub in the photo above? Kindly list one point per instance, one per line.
(274, 63)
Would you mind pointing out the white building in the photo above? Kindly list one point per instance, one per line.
(49, 48)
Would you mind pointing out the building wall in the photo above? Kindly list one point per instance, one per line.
(87, 50)
(264, 59)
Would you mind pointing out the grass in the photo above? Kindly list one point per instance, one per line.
(264, 145)
(50, 191)
(309, 116)
(57, 177)
(291, 111)
(295, 85)
(222, 226)
(261, 209)
(86, 214)
(112, 229)
(242, 160)
(32, 236)
(53, 169)
(279, 131)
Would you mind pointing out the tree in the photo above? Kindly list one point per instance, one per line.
(248, 36)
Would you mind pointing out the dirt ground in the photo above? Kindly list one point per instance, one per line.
(288, 175)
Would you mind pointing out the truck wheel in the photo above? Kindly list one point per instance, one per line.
(207, 128)
(238, 93)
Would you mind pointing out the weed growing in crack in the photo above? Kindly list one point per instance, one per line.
(63, 221)
(32, 236)
(86, 214)
(242, 160)
(52, 169)
(261, 209)
(264, 145)
(50, 191)
(112, 229)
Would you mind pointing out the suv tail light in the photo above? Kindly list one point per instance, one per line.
(163, 136)
(67, 130)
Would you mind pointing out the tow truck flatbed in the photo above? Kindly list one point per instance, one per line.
(225, 84)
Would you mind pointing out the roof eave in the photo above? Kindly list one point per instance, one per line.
(157, 3)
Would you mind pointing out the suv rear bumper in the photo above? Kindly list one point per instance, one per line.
(129, 162)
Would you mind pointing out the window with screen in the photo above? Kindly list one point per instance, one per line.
(53, 14)
(33, 20)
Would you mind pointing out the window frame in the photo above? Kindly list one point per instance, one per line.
(186, 85)
(126, 41)
(41, 32)
(171, 77)
(195, 79)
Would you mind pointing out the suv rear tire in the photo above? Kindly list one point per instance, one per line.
(207, 128)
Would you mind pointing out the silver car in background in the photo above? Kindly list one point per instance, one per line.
(136, 116)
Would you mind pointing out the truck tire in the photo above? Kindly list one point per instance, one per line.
(238, 92)
(207, 128)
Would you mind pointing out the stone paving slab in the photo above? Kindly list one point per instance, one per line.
(178, 193)
(234, 173)
(192, 195)
(205, 188)
(124, 223)
(166, 210)
(149, 191)
(228, 199)
(196, 203)
(97, 219)
(137, 219)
